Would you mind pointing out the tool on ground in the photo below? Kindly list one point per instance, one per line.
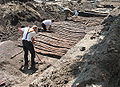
(35, 53)
(39, 58)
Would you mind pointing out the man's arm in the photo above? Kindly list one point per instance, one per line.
(33, 40)
(21, 32)
(50, 27)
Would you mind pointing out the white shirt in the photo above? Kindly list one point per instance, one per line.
(67, 9)
(30, 35)
(47, 22)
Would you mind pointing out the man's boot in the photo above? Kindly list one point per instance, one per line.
(25, 67)
(32, 66)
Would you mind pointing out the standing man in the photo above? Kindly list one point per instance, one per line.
(27, 35)
(46, 24)
(67, 12)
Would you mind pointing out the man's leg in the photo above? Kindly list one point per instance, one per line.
(25, 52)
(44, 27)
(32, 51)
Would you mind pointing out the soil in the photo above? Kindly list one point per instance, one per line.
(49, 47)
(69, 53)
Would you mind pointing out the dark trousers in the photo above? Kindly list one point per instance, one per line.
(27, 45)
(66, 15)
(44, 26)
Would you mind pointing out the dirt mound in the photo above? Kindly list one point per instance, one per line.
(102, 66)
(14, 15)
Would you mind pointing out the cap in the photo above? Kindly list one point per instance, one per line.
(34, 26)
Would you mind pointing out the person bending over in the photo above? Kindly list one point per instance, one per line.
(27, 35)
(46, 24)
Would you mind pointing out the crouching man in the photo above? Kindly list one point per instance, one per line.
(46, 24)
(27, 35)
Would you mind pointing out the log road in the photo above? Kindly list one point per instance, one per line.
(57, 43)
